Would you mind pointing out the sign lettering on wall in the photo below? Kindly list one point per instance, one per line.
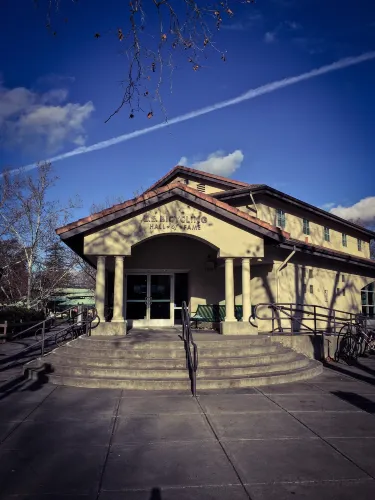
(178, 222)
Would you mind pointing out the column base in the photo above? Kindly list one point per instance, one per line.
(237, 328)
(110, 328)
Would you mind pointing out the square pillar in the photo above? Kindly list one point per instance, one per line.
(100, 287)
(118, 296)
(246, 292)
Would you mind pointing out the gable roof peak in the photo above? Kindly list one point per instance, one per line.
(205, 176)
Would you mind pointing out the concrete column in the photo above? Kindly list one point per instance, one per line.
(100, 287)
(118, 299)
(246, 294)
(229, 290)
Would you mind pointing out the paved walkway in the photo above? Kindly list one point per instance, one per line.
(303, 440)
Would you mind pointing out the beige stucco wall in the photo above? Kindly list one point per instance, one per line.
(185, 255)
(174, 217)
(294, 280)
(294, 225)
(210, 187)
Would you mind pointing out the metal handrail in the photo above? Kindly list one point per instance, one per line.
(191, 357)
(85, 325)
(43, 323)
(288, 309)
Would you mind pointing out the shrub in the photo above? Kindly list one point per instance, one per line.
(15, 314)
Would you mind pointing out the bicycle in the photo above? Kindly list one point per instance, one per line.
(356, 340)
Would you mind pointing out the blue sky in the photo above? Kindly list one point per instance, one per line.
(313, 140)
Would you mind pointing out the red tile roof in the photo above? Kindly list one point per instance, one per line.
(188, 170)
(339, 253)
(170, 187)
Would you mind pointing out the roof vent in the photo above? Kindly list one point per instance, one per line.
(201, 188)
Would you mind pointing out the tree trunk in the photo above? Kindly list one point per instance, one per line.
(28, 297)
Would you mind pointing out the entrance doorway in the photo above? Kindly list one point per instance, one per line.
(150, 299)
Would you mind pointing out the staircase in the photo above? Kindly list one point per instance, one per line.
(158, 362)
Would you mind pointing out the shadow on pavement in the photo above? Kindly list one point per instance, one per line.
(155, 494)
(360, 402)
(347, 370)
(22, 382)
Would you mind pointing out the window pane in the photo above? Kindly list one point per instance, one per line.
(280, 218)
(344, 240)
(136, 310)
(160, 287)
(160, 310)
(306, 226)
(136, 287)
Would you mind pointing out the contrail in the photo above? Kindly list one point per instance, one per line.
(250, 94)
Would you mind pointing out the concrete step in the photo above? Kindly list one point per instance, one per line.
(280, 356)
(178, 373)
(175, 352)
(216, 341)
(155, 365)
(313, 369)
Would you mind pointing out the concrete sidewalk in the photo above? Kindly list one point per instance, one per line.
(304, 440)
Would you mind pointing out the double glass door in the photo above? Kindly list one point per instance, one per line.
(149, 299)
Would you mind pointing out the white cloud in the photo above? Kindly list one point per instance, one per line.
(217, 163)
(80, 140)
(270, 37)
(327, 206)
(363, 211)
(293, 25)
(41, 120)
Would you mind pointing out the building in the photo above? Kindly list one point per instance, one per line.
(65, 298)
(205, 239)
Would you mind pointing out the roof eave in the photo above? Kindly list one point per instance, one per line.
(327, 254)
(228, 195)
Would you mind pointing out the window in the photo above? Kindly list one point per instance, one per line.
(201, 188)
(368, 300)
(326, 234)
(344, 240)
(310, 273)
(338, 291)
(186, 181)
(326, 295)
(359, 245)
(343, 292)
(311, 289)
(343, 278)
(306, 226)
(280, 218)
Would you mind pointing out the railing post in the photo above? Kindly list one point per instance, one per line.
(315, 325)
(43, 336)
(291, 318)
(334, 321)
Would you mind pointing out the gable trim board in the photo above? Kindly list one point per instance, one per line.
(200, 176)
(162, 195)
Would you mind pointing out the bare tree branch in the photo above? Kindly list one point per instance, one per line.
(152, 34)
